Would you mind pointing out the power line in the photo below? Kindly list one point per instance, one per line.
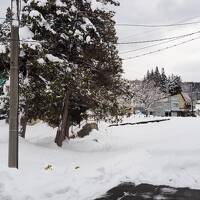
(159, 50)
(155, 30)
(2, 18)
(134, 42)
(158, 40)
(149, 46)
(147, 41)
(158, 25)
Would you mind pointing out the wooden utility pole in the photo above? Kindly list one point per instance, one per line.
(192, 102)
(14, 82)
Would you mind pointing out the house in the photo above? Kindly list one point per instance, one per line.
(197, 108)
(172, 105)
(192, 88)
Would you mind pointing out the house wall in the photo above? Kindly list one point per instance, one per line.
(160, 108)
(181, 102)
(172, 104)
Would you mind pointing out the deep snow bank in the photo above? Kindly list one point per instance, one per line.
(159, 153)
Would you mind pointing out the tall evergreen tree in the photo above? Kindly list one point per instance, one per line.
(4, 41)
(157, 77)
(70, 63)
(174, 84)
(163, 81)
(171, 84)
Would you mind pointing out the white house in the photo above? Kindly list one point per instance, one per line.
(197, 108)
(175, 105)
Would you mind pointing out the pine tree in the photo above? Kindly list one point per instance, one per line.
(164, 81)
(157, 77)
(4, 40)
(148, 75)
(174, 84)
(171, 84)
(69, 63)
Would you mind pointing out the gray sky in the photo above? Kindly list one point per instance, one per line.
(3, 6)
(183, 60)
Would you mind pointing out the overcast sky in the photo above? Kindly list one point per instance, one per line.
(183, 60)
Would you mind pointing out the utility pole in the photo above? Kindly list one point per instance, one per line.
(192, 100)
(14, 82)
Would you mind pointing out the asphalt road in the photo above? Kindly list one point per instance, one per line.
(129, 191)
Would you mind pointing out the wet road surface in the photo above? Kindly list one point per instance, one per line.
(129, 191)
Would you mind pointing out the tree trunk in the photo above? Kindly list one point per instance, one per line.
(23, 124)
(63, 129)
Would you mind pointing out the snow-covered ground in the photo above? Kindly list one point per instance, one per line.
(157, 153)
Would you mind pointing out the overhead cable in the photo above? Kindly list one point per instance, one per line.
(162, 49)
(158, 40)
(158, 25)
(155, 30)
(149, 46)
